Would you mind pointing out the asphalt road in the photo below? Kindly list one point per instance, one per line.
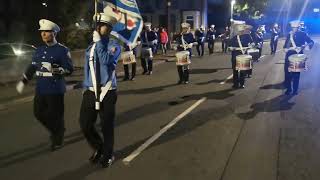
(246, 134)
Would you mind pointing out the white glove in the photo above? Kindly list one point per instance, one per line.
(20, 87)
(96, 36)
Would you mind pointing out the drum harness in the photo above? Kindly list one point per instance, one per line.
(105, 88)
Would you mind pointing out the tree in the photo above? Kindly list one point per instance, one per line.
(250, 9)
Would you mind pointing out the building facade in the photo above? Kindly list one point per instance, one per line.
(156, 12)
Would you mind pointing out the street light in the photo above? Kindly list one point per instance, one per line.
(168, 19)
(233, 2)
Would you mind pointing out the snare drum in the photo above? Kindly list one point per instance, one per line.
(254, 53)
(146, 52)
(183, 58)
(243, 62)
(128, 57)
(297, 63)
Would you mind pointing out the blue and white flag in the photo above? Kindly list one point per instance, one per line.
(130, 22)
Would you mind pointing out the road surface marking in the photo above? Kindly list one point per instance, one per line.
(138, 151)
(230, 77)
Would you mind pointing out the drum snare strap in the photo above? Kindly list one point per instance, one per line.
(240, 44)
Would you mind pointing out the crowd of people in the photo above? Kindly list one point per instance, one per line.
(52, 62)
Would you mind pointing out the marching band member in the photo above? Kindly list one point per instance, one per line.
(258, 39)
(211, 37)
(225, 37)
(294, 44)
(200, 38)
(100, 94)
(185, 42)
(51, 62)
(149, 41)
(275, 33)
(239, 44)
(133, 64)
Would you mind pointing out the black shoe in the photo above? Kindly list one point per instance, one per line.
(241, 86)
(295, 93)
(179, 82)
(287, 92)
(56, 142)
(144, 72)
(235, 87)
(95, 157)
(106, 162)
(56, 146)
(132, 79)
(125, 79)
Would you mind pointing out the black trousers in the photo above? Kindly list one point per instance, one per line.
(88, 118)
(133, 70)
(200, 48)
(183, 72)
(49, 111)
(273, 45)
(239, 78)
(146, 64)
(225, 45)
(292, 80)
(211, 46)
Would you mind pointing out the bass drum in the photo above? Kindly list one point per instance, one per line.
(183, 58)
(297, 63)
(243, 62)
(128, 57)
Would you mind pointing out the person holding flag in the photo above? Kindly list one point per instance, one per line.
(100, 84)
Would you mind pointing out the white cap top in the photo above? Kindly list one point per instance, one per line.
(240, 27)
(185, 25)
(46, 25)
(248, 27)
(295, 24)
(108, 16)
(147, 24)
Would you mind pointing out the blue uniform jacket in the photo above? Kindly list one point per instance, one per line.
(108, 62)
(151, 37)
(200, 36)
(210, 35)
(58, 55)
(188, 37)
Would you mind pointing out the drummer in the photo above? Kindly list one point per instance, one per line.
(148, 40)
(245, 40)
(299, 39)
(185, 42)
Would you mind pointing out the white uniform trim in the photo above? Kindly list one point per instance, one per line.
(104, 89)
(43, 74)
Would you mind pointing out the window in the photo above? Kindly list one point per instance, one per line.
(189, 19)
